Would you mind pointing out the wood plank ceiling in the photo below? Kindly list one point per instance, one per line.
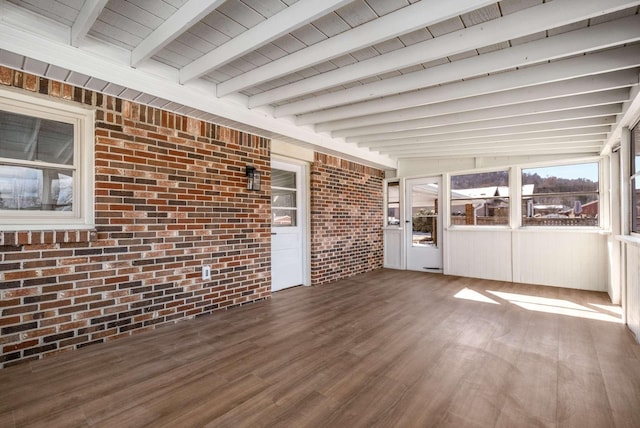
(372, 80)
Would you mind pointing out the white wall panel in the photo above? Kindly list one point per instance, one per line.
(393, 248)
(478, 253)
(572, 259)
(633, 288)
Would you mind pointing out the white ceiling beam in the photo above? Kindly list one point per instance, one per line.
(402, 21)
(87, 16)
(566, 127)
(565, 103)
(631, 113)
(514, 97)
(492, 136)
(183, 19)
(578, 150)
(528, 21)
(289, 19)
(548, 144)
(196, 96)
(591, 64)
(578, 147)
(548, 117)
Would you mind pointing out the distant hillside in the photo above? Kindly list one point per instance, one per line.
(541, 184)
(555, 184)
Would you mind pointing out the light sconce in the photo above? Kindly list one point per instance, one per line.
(253, 178)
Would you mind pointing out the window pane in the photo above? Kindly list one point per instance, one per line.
(480, 199)
(635, 147)
(635, 205)
(635, 183)
(283, 217)
(35, 189)
(561, 179)
(35, 139)
(565, 195)
(568, 210)
(286, 179)
(283, 198)
(393, 203)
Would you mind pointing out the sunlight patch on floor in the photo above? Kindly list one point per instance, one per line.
(559, 306)
(609, 308)
(468, 294)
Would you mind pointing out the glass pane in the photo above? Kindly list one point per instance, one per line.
(480, 199)
(564, 195)
(35, 189)
(561, 179)
(283, 217)
(480, 212)
(283, 198)
(393, 214)
(483, 184)
(563, 210)
(393, 192)
(393, 203)
(635, 147)
(635, 183)
(286, 179)
(635, 204)
(35, 139)
(424, 214)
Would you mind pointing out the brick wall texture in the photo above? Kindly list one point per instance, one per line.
(170, 197)
(346, 219)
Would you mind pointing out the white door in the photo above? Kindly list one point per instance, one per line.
(423, 225)
(287, 225)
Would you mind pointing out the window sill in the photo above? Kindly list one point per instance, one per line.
(629, 239)
(473, 227)
(38, 237)
(563, 229)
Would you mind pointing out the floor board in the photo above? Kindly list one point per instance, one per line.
(383, 349)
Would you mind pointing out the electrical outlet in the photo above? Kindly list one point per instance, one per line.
(206, 272)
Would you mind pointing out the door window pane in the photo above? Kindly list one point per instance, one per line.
(283, 198)
(283, 217)
(283, 179)
(424, 215)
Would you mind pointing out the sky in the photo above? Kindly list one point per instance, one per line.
(585, 170)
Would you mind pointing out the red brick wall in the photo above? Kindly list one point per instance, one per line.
(346, 219)
(169, 198)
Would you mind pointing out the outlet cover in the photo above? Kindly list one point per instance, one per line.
(206, 272)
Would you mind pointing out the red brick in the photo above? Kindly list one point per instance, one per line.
(6, 75)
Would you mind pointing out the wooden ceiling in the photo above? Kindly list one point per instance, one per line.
(371, 80)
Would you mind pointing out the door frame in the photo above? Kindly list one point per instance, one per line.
(304, 199)
(407, 216)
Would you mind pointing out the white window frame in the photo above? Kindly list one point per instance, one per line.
(603, 181)
(385, 193)
(83, 121)
(449, 199)
(630, 177)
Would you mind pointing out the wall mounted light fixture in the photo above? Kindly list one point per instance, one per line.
(253, 178)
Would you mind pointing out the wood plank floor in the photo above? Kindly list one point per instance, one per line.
(387, 348)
